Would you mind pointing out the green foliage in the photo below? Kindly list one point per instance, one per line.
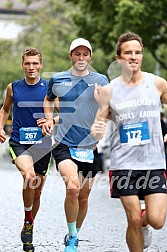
(9, 4)
(10, 65)
(103, 21)
(53, 26)
(49, 28)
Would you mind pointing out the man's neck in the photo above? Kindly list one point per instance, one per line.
(32, 81)
(79, 73)
(133, 80)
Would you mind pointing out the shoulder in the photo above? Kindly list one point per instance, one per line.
(115, 81)
(159, 80)
(17, 82)
(44, 82)
(104, 77)
(160, 83)
(99, 76)
(61, 75)
(9, 86)
(9, 90)
(16, 85)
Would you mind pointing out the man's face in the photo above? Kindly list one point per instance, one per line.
(31, 66)
(80, 57)
(131, 56)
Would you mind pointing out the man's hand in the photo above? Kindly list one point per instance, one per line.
(97, 91)
(40, 122)
(2, 136)
(47, 127)
(98, 129)
(165, 138)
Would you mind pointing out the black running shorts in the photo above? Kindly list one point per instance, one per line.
(61, 152)
(40, 156)
(135, 182)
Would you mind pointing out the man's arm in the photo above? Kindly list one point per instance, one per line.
(47, 127)
(5, 111)
(161, 85)
(41, 121)
(99, 126)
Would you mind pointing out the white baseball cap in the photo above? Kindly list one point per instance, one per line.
(80, 42)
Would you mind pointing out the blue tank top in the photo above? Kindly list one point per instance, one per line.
(77, 106)
(28, 106)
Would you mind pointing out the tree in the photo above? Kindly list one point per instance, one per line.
(49, 28)
(103, 21)
(10, 66)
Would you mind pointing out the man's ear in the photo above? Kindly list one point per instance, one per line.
(118, 59)
(69, 55)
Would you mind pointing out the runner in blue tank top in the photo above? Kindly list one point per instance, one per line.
(30, 151)
(133, 102)
(76, 153)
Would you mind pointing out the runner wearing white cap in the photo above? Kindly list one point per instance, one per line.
(75, 152)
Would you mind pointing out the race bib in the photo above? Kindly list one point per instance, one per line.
(134, 134)
(30, 135)
(82, 155)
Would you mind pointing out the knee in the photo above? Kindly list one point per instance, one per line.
(157, 219)
(157, 223)
(29, 178)
(29, 174)
(72, 192)
(83, 201)
(135, 221)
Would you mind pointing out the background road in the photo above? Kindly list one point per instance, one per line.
(103, 230)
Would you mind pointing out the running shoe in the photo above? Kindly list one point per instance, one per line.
(71, 243)
(146, 230)
(28, 247)
(27, 232)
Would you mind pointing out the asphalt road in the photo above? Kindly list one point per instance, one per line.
(103, 230)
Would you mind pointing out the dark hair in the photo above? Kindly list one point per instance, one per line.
(127, 37)
(31, 51)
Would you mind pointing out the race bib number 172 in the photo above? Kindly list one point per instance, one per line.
(134, 134)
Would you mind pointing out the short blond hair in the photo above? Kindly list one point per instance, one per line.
(31, 51)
